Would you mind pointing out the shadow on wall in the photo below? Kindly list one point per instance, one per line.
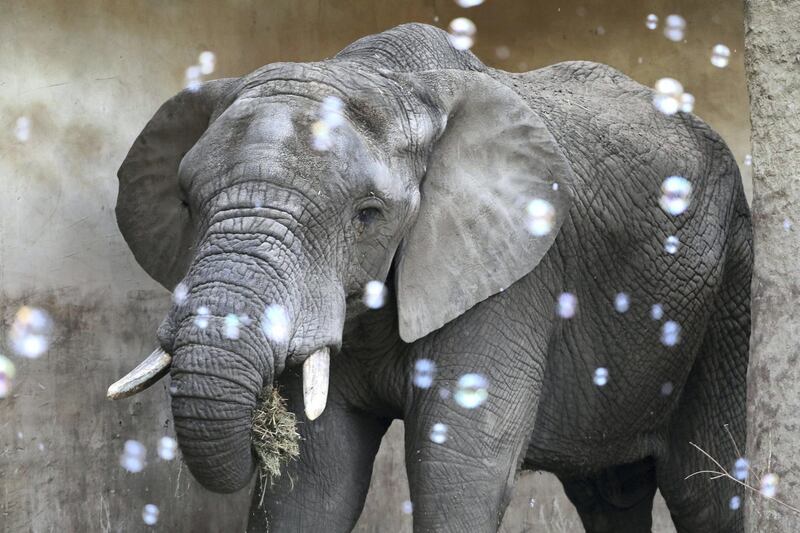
(88, 74)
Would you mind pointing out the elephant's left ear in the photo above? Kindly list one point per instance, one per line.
(495, 193)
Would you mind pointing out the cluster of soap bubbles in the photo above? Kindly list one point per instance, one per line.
(651, 22)
(472, 391)
(540, 216)
(669, 97)
(600, 376)
(275, 323)
(30, 332)
(676, 193)
(438, 433)
(424, 372)
(567, 305)
(461, 33)
(671, 244)
(150, 514)
(622, 302)
(720, 55)
(769, 485)
(331, 116)
(674, 27)
(206, 62)
(22, 129)
(375, 294)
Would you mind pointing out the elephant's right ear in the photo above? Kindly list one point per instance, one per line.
(150, 210)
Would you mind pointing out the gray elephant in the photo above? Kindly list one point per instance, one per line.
(518, 222)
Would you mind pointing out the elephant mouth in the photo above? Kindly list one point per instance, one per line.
(316, 378)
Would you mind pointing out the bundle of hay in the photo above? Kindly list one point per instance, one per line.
(275, 437)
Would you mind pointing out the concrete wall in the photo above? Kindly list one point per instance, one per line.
(89, 74)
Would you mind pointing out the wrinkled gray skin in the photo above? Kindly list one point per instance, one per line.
(425, 187)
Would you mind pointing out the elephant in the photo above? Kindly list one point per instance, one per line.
(514, 225)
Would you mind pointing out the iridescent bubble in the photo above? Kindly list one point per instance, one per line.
(167, 447)
(462, 32)
(622, 302)
(407, 507)
(741, 468)
(150, 514)
(687, 102)
(600, 376)
(193, 78)
(748, 160)
(567, 305)
(787, 224)
(424, 371)
(375, 294)
(735, 503)
(231, 326)
(207, 61)
(438, 433)
(133, 456)
(22, 129)
(675, 195)
(769, 485)
(275, 323)
(469, 3)
(444, 393)
(321, 139)
(667, 97)
(502, 52)
(540, 216)
(667, 388)
(651, 22)
(245, 320)
(656, 312)
(202, 317)
(7, 373)
(555, 186)
(720, 55)
(670, 333)
(674, 27)
(332, 111)
(671, 244)
(30, 332)
(180, 294)
(532, 502)
(472, 391)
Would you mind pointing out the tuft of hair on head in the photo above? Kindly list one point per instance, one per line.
(275, 438)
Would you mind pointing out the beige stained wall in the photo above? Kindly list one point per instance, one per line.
(89, 74)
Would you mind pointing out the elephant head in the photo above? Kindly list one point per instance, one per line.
(279, 195)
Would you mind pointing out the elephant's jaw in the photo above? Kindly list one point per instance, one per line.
(316, 375)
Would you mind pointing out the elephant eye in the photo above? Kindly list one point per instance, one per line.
(368, 215)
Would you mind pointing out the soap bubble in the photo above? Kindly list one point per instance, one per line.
(22, 129)
(720, 56)
(444, 393)
(735, 503)
(555, 186)
(656, 312)
(375, 294)
(407, 507)
(207, 61)
(532, 502)
(469, 3)
(231, 325)
(748, 160)
(275, 323)
(321, 139)
(133, 456)
(331, 111)
(540, 217)
(670, 333)
(462, 31)
(667, 388)
(202, 317)
(472, 391)
(622, 302)
(674, 27)
(167, 448)
(150, 514)
(180, 294)
(567, 305)
(787, 224)
(687, 102)
(651, 21)
(741, 468)
(671, 244)
(30, 332)
(193, 78)
(769, 485)
(438, 433)
(600, 376)
(502, 52)
(424, 371)
(7, 373)
(667, 97)
(675, 193)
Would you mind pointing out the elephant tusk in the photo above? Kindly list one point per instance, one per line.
(148, 372)
(316, 371)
